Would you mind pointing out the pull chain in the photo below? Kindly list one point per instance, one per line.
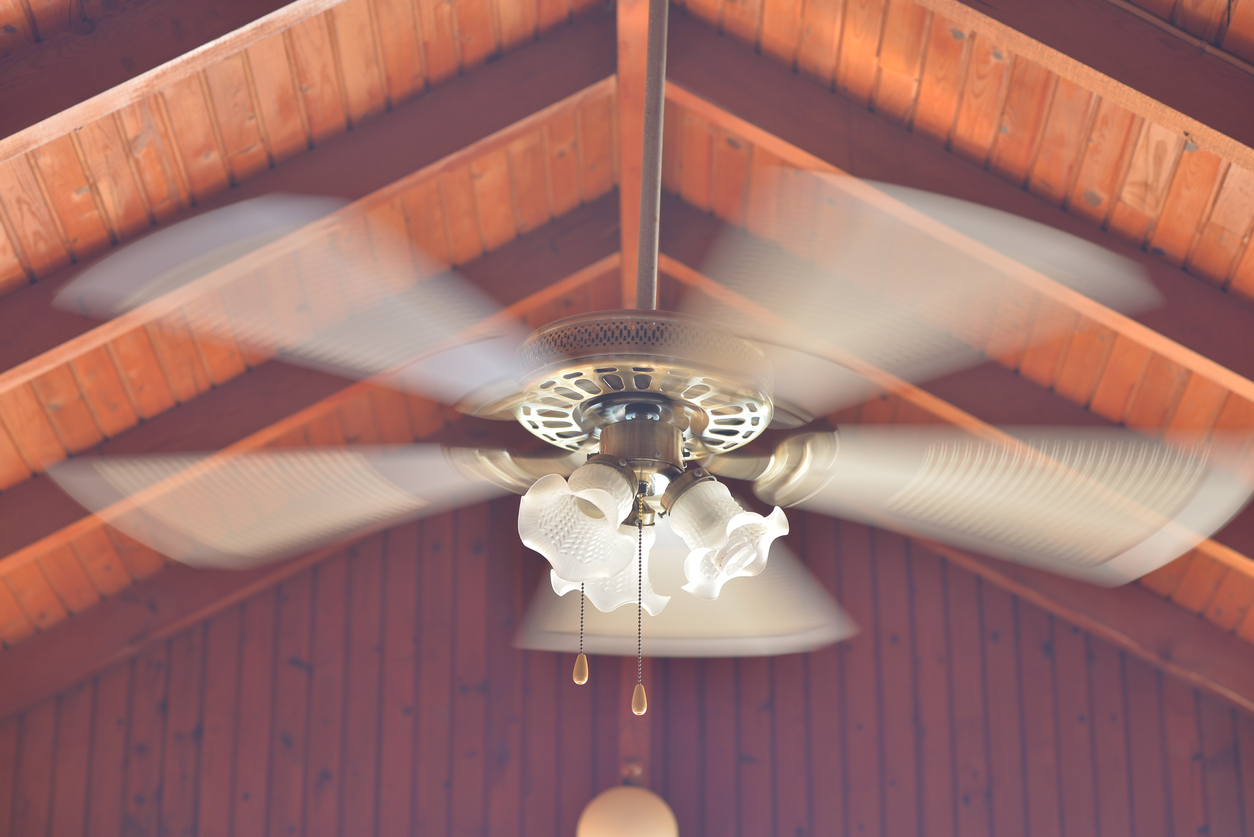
(639, 703)
(581, 662)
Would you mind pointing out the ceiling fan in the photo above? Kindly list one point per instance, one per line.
(861, 288)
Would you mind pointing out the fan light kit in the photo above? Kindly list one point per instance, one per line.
(651, 392)
(862, 289)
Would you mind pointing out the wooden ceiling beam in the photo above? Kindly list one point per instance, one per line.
(129, 52)
(794, 117)
(474, 108)
(1148, 67)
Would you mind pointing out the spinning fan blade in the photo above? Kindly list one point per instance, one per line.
(348, 295)
(854, 273)
(1106, 506)
(235, 511)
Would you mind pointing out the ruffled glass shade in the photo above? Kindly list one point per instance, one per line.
(726, 541)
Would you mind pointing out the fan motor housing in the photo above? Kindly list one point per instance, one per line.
(584, 373)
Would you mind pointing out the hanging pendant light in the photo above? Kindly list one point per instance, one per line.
(627, 811)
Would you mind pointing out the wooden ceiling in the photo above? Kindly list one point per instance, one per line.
(495, 133)
(361, 695)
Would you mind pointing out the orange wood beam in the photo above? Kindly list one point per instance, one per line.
(127, 53)
(378, 152)
(1150, 68)
(633, 30)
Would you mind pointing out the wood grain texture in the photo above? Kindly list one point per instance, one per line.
(1077, 138)
(129, 53)
(859, 43)
(146, 156)
(1100, 46)
(939, 86)
(978, 119)
(900, 59)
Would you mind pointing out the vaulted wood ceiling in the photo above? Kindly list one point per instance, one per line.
(496, 135)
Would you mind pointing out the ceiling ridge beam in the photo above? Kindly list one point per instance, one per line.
(1123, 58)
(105, 69)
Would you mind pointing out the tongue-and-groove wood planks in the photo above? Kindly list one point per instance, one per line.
(960, 709)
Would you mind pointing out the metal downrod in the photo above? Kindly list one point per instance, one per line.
(651, 161)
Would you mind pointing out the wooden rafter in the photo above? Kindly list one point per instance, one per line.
(49, 349)
(1122, 57)
(62, 83)
(160, 159)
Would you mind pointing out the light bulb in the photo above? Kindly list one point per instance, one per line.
(627, 811)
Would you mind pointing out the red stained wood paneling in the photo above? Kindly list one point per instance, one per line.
(380, 693)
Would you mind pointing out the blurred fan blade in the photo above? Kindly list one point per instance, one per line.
(782, 610)
(171, 257)
(235, 511)
(350, 295)
(852, 272)
(1104, 505)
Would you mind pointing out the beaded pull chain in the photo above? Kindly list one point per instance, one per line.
(581, 662)
(639, 703)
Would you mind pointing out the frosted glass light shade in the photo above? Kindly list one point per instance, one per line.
(726, 541)
(575, 524)
(627, 811)
(608, 594)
